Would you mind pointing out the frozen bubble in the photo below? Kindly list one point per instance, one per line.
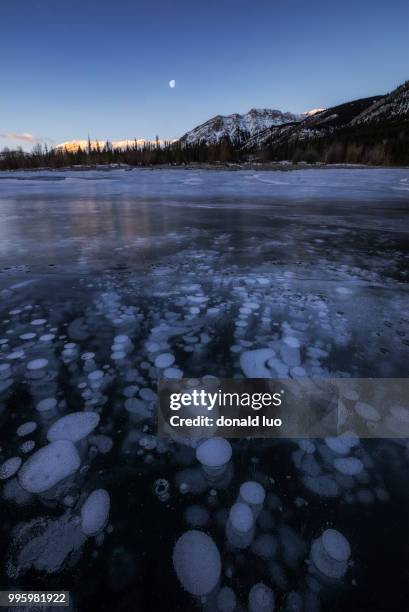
(138, 407)
(29, 336)
(350, 394)
(349, 465)
(290, 350)
(48, 466)
(336, 545)
(148, 442)
(197, 563)
(148, 395)
(164, 360)
(26, 428)
(118, 355)
(214, 452)
(48, 403)
(9, 467)
(37, 364)
(74, 426)
(350, 439)
(15, 355)
(196, 516)
(162, 489)
(47, 337)
(252, 493)
(400, 413)
(241, 517)
(44, 544)
(96, 375)
(130, 390)
(226, 600)
(103, 443)
(5, 371)
(37, 322)
(87, 356)
(27, 446)
(253, 363)
(326, 564)
(343, 290)
(307, 446)
(338, 445)
(95, 512)
(366, 411)
(121, 339)
(174, 373)
(261, 598)
(298, 372)
(152, 347)
(279, 368)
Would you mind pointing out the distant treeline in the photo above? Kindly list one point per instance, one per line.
(375, 144)
(147, 155)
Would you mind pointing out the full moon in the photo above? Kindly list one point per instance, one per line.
(172, 84)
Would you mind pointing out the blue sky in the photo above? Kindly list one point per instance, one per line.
(69, 69)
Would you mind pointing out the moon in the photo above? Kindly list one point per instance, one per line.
(172, 84)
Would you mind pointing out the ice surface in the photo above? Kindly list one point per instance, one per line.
(197, 563)
(169, 270)
(265, 546)
(197, 516)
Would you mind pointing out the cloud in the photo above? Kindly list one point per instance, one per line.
(25, 137)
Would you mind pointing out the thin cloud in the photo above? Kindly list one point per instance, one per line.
(25, 137)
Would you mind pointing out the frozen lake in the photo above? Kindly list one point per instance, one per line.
(102, 274)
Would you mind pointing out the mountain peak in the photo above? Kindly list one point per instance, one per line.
(236, 128)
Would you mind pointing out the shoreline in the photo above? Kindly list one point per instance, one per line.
(231, 167)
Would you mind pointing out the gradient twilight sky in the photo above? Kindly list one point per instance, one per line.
(102, 67)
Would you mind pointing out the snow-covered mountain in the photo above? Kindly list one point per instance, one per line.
(236, 128)
(317, 125)
(394, 106)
